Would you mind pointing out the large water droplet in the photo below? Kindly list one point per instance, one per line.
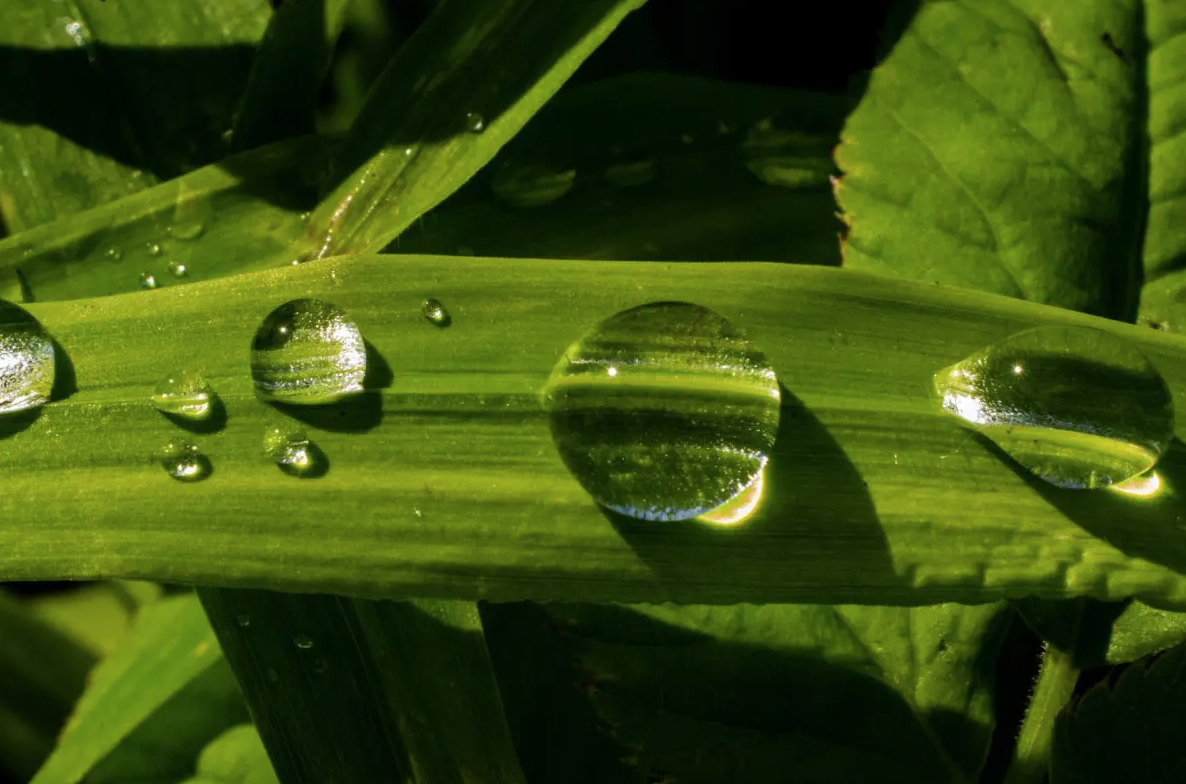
(26, 360)
(184, 461)
(531, 184)
(664, 412)
(435, 312)
(474, 122)
(307, 352)
(1076, 406)
(287, 445)
(632, 174)
(184, 394)
(190, 216)
(147, 280)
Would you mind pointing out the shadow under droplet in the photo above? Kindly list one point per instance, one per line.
(1152, 528)
(11, 424)
(378, 373)
(65, 382)
(355, 414)
(317, 467)
(813, 502)
(214, 422)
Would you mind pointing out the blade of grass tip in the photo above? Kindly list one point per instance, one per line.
(241, 214)
(280, 100)
(312, 685)
(456, 460)
(42, 673)
(460, 88)
(436, 672)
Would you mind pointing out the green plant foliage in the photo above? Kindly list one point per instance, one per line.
(237, 756)
(1119, 632)
(1127, 732)
(150, 706)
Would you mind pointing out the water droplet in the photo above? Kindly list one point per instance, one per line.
(147, 280)
(178, 270)
(664, 412)
(227, 136)
(631, 175)
(113, 254)
(474, 122)
(184, 461)
(307, 352)
(191, 213)
(302, 641)
(287, 445)
(1076, 406)
(26, 360)
(153, 249)
(531, 185)
(434, 310)
(319, 666)
(786, 158)
(243, 619)
(184, 394)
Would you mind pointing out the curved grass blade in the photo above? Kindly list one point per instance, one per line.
(240, 214)
(151, 705)
(455, 485)
(454, 94)
(722, 171)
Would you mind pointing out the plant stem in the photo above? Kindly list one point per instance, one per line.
(1056, 683)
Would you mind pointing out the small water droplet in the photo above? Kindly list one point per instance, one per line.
(786, 158)
(531, 185)
(435, 312)
(664, 412)
(418, 512)
(1078, 407)
(243, 619)
(192, 211)
(184, 461)
(184, 394)
(228, 136)
(631, 175)
(302, 641)
(307, 352)
(26, 360)
(178, 270)
(306, 215)
(474, 122)
(147, 280)
(113, 254)
(319, 666)
(153, 249)
(287, 445)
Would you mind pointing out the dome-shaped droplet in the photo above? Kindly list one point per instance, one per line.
(474, 122)
(153, 249)
(287, 445)
(664, 412)
(531, 184)
(1078, 407)
(243, 619)
(184, 394)
(26, 360)
(184, 461)
(114, 254)
(307, 352)
(177, 269)
(435, 312)
(302, 641)
(147, 280)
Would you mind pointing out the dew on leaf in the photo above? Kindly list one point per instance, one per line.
(147, 280)
(664, 412)
(307, 352)
(302, 641)
(184, 461)
(474, 122)
(287, 445)
(184, 394)
(434, 312)
(1075, 406)
(26, 360)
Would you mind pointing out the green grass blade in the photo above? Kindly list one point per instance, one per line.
(735, 171)
(312, 683)
(280, 99)
(42, 672)
(151, 705)
(478, 65)
(436, 671)
(863, 491)
(240, 214)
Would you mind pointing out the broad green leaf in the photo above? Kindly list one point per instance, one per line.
(1000, 145)
(96, 615)
(1164, 72)
(151, 705)
(723, 171)
(1132, 630)
(453, 95)
(456, 433)
(706, 694)
(1130, 732)
(237, 756)
(1163, 303)
(240, 214)
(42, 672)
(1142, 630)
(96, 93)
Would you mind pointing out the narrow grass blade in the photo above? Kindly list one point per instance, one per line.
(151, 705)
(436, 671)
(454, 94)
